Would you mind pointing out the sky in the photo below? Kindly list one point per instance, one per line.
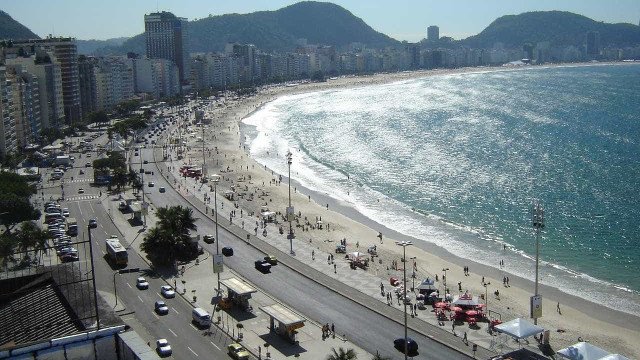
(400, 19)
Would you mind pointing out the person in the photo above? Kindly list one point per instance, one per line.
(313, 254)
(558, 308)
(333, 330)
(464, 337)
(415, 309)
(335, 271)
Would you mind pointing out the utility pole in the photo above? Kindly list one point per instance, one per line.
(289, 212)
(404, 245)
(538, 225)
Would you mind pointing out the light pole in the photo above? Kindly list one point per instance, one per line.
(144, 215)
(404, 245)
(216, 178)
(486, 296)
(290, 208)
(413, 274)
(538, 225)
(204, 160)
(444, 280)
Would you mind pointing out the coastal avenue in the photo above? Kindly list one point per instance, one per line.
(367, 329)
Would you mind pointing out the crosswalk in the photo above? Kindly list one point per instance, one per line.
(81, 198)
(67, 181)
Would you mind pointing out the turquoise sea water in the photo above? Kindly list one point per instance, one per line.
(456, 160)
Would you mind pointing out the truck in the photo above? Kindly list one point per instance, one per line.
(63, 160)
(72, 227)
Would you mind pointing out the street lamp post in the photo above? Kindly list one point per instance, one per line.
(290, 209)
(444, 280)
(538, 225)
(413, 275)
(486, 296)
(404, 245)
(216, 178)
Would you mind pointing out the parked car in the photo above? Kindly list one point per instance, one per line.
(162, 347)
(151, 184)
(65, 212)
(81, 191)
(70, 257)
(227, 251)
(161, 308)
(209, 239)
(162, 189)
(87, 164)
(237, 352)
(167, 291)
(142, 284)
(262, 266)
(93, 223)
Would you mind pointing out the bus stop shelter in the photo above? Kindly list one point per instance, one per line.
(239, 292)
(288, 321)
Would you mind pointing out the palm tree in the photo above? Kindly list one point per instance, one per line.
(170, 238)
(377, 356)
(341, 354)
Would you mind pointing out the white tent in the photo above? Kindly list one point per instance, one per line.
(519, 328)
(583, 351)
(466, 299)
(614, 357)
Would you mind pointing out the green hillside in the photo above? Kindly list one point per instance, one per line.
(559, 28)
(11, 29)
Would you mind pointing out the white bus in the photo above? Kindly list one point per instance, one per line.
(117, 253)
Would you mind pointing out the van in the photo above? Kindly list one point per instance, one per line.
(201, 317)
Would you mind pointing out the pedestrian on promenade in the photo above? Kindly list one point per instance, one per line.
(329, 259)
(333, 330)
(415, 309)
(558, 308)
(313, 254)
(335, 271)
(464, 338)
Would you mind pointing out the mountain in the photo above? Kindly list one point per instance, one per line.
(318, 22)
(559, 28)
(88, 47)
(11, 29)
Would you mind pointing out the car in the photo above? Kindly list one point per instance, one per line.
(93, 223)
(412, 346)
(145, 162)
(147, 172)
(142, 283)
(87, 164)
(162, 189)
(122, 206)
(227, 251)
(81, 191)
(88, 155)
(209, 239)
(151, 184)
(70, 257)
(161, 308)
(67, 250)
(262, 266)
(81, 172)
(65, 212)
(271, 260)
(167, 291)
(236, 351)
(162, 347)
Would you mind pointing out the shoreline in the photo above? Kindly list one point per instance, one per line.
(599, 315)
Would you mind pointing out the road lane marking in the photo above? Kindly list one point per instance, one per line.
(129, 285)
(154, 314)
(140, 299)
(175, 310)
(174, 334)
(216, 346)
(103, 253)
(194, 353)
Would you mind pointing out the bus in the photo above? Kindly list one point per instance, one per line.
(116, 252)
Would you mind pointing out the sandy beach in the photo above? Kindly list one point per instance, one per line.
(614, 331)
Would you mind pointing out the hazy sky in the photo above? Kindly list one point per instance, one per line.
(400, 19)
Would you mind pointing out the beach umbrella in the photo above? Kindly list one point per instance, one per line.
(456, 309)
(583, 351)
(471, 313)
(440, 305)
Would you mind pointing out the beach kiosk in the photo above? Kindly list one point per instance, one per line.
(239, 293)
(288, 322)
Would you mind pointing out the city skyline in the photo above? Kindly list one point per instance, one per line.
(402, 20)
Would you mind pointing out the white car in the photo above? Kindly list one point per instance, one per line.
(65, 212)
(142, 284)
(167, 291)
(162, 347)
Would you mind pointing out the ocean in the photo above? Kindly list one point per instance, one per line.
(457, 159)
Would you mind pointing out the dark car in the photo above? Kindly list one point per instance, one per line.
(412, 348)
(262, 266)
(227, 251)
(145, 162)
(209, 239)
(161, 307)
(93, 223)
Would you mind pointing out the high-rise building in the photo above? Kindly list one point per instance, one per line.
(87, 80)
(593, 44)
(433, 33)
(167, 38)
(26, 105)
(66, 54)
(114, 82)
(8, 141)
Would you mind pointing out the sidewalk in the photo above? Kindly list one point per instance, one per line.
(198, 280)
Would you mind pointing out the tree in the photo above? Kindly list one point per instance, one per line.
(377, 356)
(14, 201)
(99, 117)
(341, 354)
(31, 236)
(170, 239)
